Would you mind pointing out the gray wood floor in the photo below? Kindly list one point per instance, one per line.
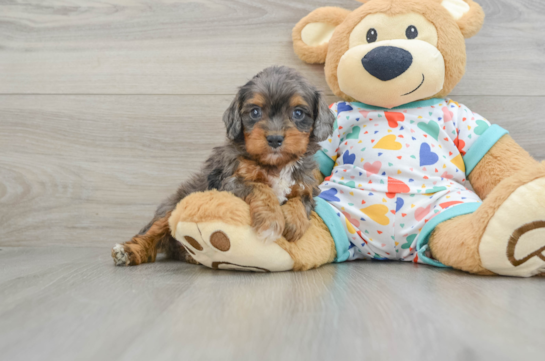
(65, 303)
(105, 106)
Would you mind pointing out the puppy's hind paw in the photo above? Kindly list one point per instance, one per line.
(121, 258)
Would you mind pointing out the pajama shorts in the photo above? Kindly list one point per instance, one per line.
(388, 227)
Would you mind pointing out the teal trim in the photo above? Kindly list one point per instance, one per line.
(424, 236)
(333, 222)
(418, 104)
(483, 144)
(325, 163)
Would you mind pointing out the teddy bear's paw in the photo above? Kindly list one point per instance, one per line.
(513, 243)
(232, 247)
(121, 258)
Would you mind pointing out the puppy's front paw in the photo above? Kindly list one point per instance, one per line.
(268, 225)
(297, 221)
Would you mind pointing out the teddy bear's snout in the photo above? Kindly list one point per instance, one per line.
(387, 62)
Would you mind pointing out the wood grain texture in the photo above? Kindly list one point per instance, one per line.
(90, 170)
(73, 304)
(212, 46)
(106, 106)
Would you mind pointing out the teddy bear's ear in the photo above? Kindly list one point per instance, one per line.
(468, 14)
(312, 33)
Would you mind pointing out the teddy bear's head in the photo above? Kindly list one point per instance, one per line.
(388, 53)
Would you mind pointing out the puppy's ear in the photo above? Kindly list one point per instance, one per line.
(232, 119)
(323, 118)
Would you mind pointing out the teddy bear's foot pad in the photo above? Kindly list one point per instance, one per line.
(514, 241)
(222, 246)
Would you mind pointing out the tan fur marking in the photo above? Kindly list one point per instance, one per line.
(295, 142)
(143, 248)
(265, 210)
(250, 171)
(296, 100)
(257, 99)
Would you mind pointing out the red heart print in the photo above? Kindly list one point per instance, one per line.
(394, 118)
(397, 186)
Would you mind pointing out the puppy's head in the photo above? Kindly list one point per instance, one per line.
(277, 115)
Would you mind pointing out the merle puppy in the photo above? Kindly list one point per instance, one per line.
(273, 127)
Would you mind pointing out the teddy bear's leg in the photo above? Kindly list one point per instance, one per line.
(505, 235)
(215, 228)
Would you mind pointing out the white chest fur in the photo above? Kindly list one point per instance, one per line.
(282, 184)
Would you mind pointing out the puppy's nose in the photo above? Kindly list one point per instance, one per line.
(387, 62)
(275, 141)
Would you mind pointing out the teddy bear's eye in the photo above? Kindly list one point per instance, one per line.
(411, 32)
(371, 35)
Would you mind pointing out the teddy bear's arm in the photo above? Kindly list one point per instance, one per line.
(503, 160)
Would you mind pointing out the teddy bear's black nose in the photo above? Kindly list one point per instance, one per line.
(387, 62)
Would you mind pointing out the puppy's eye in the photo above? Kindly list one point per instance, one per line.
(298, 114)
(255, 113)
(372, 35)
(411, 32)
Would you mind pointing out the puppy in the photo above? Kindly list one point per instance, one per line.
(273, 127)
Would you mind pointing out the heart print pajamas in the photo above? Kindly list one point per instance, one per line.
(393, 175)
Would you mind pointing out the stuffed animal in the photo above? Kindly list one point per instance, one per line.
(396, 165)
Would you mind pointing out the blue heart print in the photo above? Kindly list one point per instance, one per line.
(329, 195)
(343, 107)
(427, 157)
(348, 158)
(399, 204)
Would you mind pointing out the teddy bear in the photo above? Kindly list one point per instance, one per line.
(395, 168)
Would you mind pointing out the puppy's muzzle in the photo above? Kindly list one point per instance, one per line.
(275, 141)
(387, 62)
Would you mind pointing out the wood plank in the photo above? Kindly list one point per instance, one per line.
(90, 170)
(73, 304)
(212, 46)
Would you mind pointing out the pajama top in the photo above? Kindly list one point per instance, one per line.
(393, 175)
